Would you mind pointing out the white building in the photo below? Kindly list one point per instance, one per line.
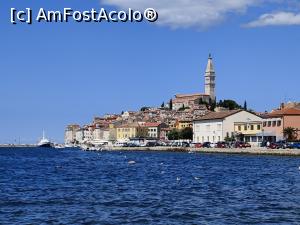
(100, 135)
(216, 126)
(80, 135)
(88, 134)
(70, 134)
(154, 129)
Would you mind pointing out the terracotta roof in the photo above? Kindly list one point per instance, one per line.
(129, 125)
(218, 115)
(152, 124)
(287, 111)
(190, 95)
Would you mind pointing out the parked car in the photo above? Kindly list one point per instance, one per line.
(280, 145)
(196, 145)
(213, 145)
(151, 144)
(247, 145)
(175, 144)
(241, 144)
(206, 145)
(295, 145)
(131, 144)
(222, 144)
(185, 144)
(119, 144)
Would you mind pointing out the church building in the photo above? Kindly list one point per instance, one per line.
(190, 100)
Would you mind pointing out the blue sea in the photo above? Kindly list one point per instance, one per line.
(69, 186)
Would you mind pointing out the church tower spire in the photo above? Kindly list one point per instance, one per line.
(210, 79)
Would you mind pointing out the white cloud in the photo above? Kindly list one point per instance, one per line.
(188, 13)
(276, 19)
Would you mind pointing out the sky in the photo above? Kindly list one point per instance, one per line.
(54, 74)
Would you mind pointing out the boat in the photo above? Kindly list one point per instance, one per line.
(44, 142)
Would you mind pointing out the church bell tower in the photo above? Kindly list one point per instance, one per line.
(210, 79)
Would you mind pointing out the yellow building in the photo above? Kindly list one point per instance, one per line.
(250, 132)
(181, 124)
(127, 131)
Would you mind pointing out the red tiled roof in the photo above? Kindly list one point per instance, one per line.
(152, 124)
(190, 95)
(282, 112)
(287, 111)
(218, 115)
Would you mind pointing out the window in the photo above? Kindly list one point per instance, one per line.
(245, 127)
(269, 123)
(258, 127)
(202, 139)
(252, 127)
(273, 123)
(278, 123)
(207, 138)
(239, 128)
(264, 124)
(219, 138)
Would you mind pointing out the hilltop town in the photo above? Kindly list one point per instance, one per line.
(196, 117)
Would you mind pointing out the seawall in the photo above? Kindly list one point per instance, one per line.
(252, 151)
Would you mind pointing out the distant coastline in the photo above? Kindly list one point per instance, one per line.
(17, 145)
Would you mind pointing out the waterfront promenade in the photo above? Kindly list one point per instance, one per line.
(251, 151)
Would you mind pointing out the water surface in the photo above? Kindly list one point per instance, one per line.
(48, 186)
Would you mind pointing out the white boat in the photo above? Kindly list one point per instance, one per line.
(44, 142)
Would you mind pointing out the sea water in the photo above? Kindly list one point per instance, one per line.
(69, 186)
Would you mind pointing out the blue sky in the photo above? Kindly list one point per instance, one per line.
(60, 73)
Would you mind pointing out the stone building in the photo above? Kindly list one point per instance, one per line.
(192, 100)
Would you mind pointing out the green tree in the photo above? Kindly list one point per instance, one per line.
(186, 133)
(171, 104)
(212, 104)
(229, 104)
(143, 109)
(182, 108)
(201, 102)
(290, 133)
(173, 134)
(245, 105)
(229, 139)
(163, 105)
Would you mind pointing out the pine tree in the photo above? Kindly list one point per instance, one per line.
(171, 104)
(245, 105)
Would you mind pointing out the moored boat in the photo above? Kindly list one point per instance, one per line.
(44, 142)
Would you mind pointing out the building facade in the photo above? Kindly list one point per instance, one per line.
(154, 129)
(250, 131)
(70, 134)
(133, 130)
(275, 122)
(216, 126)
